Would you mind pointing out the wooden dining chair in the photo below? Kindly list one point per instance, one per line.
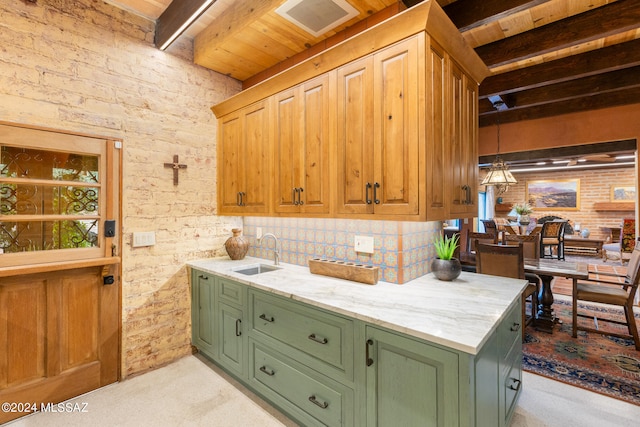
(552, 238)
(609, 291)
(490, 226)
(531, 249)
(505, 261)
(623, 247)
(473, 236)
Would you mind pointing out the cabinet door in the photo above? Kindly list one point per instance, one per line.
(202, 312)
(233, 340)
(463, 156)
(409, 383)
(354, 137)
(243, 155)
(437, 143)
(301, 145)
(396, 127)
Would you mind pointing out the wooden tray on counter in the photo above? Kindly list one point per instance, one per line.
(345, 270)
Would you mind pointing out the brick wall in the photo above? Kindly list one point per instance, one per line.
(595, 186)
(86, 66)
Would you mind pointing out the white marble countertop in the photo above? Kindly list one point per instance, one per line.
(460, 314)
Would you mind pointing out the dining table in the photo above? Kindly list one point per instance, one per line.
(547, 270)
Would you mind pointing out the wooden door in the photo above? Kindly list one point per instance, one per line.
(59, 336)
(59, 273)
(355, 137)
(396, 111)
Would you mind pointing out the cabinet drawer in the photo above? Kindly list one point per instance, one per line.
(308, 395)
(324, 336)
(509, 331)
(512, 384)
(231, 292)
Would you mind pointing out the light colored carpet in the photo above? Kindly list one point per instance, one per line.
(191, 392)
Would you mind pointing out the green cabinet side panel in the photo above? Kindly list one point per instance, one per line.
(202, 312)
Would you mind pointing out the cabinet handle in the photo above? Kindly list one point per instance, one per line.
(467, 195)
(294, 196)
(300, 190)
(240, 198)
(238, 327)
(515, 327)
(203, 277)
(268, 319)
(313, 337)
(323, 405)
(375, 193)
(517, 383)
(366, 195)
(369, 359)
(267, 371)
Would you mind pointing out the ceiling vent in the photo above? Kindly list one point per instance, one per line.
(317, 16)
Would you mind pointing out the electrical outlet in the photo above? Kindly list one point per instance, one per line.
(363, 244)
(258, 233)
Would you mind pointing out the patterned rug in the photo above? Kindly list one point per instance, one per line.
(603, 364)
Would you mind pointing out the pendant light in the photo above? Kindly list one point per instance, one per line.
(499, 175)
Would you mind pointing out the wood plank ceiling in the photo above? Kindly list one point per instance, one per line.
(547, 57)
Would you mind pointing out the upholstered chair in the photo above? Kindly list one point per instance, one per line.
(622, 249)
(552, 238)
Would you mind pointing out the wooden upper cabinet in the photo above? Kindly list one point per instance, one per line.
(243, 159)
(378, 132)
(463, 154)
(301, 148)
(384, 124)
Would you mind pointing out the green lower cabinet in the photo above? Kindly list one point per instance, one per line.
(313, 399)
(232, 342)
(409, 383)
(322, 368)
(202, 312)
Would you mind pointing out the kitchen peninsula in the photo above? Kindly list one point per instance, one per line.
(333, 352)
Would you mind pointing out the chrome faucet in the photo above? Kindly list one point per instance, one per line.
(276, 251)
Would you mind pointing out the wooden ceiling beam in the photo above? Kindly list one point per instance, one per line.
(231, 22)
(608, 59)
(600, 84)
(607, 20)
(469, 14)
(175, 15)
(615, 98)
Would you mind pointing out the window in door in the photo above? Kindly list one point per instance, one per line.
(52, 197)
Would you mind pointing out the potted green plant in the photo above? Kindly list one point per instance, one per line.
(523, 210)
(445, 266)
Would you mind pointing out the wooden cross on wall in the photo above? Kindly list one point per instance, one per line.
(176, 166)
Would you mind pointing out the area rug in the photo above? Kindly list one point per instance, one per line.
(603, 364)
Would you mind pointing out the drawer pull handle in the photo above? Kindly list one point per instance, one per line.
(515, 327)
(267, 371)
(313, 337)
(268, 319)
(238, 327)
(369, 359)
(203, 277)
(515, 385)
(323, 405)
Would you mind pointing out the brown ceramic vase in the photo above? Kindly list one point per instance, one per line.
(237, 245)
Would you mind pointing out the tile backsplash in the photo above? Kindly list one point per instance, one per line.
(402, 250)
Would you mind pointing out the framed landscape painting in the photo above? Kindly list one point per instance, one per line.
(621, 193)
(556, 194)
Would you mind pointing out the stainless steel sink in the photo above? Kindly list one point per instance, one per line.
(253, 269)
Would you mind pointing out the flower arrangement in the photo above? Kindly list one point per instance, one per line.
(446, 246)
(523, 208)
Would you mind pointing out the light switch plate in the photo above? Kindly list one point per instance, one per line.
(258, 233)
(144, 238)
(363, 244)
